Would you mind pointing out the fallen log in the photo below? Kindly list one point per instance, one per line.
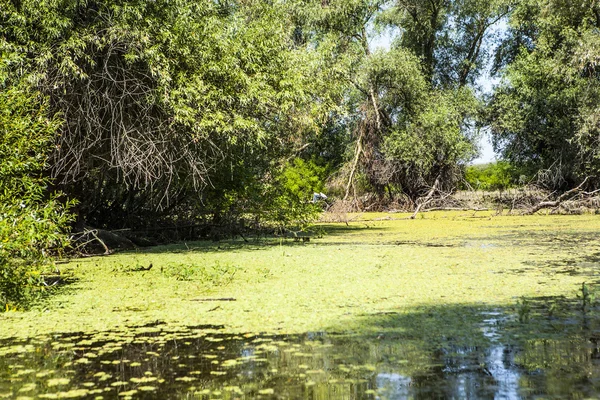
(555, 203)
(99, 242)
(455, 209)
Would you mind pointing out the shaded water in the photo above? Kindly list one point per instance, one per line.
(160, 361)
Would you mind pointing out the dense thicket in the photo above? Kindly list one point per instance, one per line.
(31, 223)
(168, 107)
(186, 110)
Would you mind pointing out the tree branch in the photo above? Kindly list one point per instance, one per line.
(427, 199)
(556, 203)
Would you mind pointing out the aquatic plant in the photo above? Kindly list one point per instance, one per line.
(338, 282)
(586, 296)
(523, 310)
(376, 308)
(218, 274)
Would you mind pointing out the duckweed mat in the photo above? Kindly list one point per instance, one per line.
(457, 304)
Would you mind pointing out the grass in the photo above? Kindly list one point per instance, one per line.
(373, 275)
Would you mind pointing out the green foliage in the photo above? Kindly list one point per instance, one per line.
(398, 75)
(31, 223)
(544, 114)
(499, 175)
(288, 203)
(170, 102)
(434, 142)
(301, 178)
(175, 109)
(409, 123)
(449, 36)
(189, 110)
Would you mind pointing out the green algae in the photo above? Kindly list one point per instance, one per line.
(58, 381)
(398, 292)
(372, 266)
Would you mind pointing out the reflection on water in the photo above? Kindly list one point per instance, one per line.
(198, 362)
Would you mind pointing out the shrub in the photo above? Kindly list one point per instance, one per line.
(500, 175)
(32, 222)
(289, 201)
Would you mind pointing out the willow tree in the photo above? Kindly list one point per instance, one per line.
(411, 117)
(544, 116)
(431, 98)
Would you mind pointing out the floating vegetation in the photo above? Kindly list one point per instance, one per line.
(464, 307)
(58, 381)
(369, 366)
(234, 356)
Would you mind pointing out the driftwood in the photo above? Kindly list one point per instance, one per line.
(427, 199)
(555, 203)
(100, 241)
(475, 209)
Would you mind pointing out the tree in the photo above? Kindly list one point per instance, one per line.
(435, 145)
(449, 36)
(406, 129)
(167, 104)
(544, 114)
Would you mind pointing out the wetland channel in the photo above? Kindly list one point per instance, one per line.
(450, 307)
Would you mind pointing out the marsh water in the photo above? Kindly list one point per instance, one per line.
(447, 307)
(163, 362)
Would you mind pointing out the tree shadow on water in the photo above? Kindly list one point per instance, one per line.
(470, 351)
(320, 237)
(442, 351)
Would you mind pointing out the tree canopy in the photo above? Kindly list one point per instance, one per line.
(544, 114)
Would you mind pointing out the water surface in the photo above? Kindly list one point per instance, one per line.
(163, 362)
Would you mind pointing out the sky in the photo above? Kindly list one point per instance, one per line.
(486, 151)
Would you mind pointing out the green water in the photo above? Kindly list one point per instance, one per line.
(448, 306)
(164, 362)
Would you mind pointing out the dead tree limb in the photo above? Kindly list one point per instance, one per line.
(94, 233)
(427, 199)
(375, 109)
(474, 209)
(94, 238)
(359, 142)
(357, 153)
(296, 152)
(555, 203)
